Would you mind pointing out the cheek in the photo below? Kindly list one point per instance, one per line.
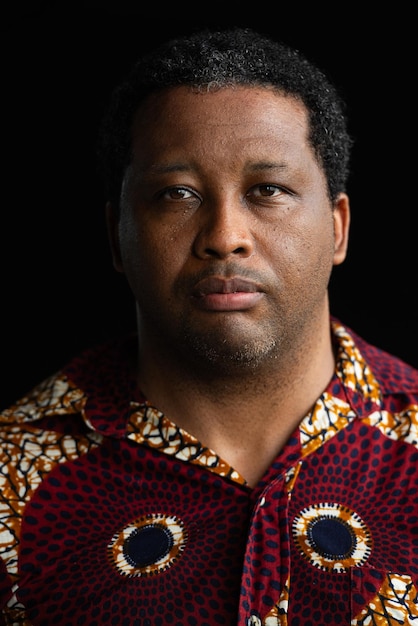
(304, 248)
(318, 251)
(151, 257)
(136, 248)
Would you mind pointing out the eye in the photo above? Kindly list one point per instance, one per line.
(265, 191)
(176, 198)
(177, 193)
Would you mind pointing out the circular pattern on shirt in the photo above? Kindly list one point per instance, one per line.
(332, 537)
(148, 545)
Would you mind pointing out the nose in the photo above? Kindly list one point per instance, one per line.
(224, 231)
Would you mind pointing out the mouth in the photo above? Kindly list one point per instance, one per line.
(214, 293)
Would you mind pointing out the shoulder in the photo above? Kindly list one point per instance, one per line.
(91, 378)
(394, 375)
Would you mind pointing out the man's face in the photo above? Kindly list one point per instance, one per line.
(226, 234)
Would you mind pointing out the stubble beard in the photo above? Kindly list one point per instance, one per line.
(221, 353)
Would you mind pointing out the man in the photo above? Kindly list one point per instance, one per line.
(245, 458)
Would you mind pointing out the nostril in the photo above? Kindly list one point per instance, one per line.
(211, 252)
(216, 253)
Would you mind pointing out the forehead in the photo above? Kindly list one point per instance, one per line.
(239, 113)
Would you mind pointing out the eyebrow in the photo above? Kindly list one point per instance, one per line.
(266, 165)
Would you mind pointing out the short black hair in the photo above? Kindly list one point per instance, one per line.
(209, 59)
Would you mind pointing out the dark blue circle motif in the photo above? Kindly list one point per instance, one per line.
(148, 545)
(332, 537)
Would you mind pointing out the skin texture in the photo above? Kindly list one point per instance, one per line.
(227, 237)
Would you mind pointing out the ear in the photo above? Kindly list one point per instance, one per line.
(112, 224)
(341, 213)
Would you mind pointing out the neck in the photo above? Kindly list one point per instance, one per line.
(246, 417)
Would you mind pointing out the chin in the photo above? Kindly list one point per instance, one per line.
(228, 356)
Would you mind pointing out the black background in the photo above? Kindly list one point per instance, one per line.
(60, 61)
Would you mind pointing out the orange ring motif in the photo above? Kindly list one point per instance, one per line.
(148, 545)
(332, 537)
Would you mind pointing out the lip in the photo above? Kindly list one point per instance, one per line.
(226, 294)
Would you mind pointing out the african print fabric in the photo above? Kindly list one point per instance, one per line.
(111, 514)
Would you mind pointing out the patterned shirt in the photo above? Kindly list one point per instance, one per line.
(111, 514)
